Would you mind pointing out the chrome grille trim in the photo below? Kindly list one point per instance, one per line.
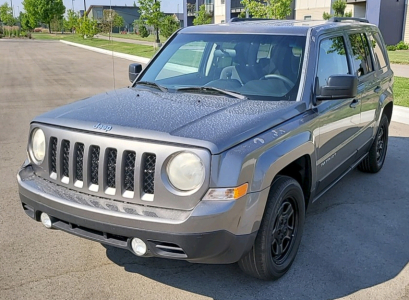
(130, 167)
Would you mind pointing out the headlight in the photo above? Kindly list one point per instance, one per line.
(186, 171)
(38, 145)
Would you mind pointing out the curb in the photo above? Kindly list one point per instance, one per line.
(400, 114)
(140, 59)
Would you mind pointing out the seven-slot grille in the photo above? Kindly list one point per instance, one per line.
(93, 165)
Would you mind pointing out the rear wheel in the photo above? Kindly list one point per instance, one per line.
(280, 232)
(373, 162)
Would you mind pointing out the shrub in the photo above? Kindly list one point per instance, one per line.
(143, 32)
(391, 48)
(402, 46)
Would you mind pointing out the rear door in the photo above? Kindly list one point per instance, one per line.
(369, 87)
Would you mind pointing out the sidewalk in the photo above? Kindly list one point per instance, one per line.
(130, 41)
(400, 70)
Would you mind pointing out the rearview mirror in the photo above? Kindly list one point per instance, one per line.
(339, 87)
(134, 70)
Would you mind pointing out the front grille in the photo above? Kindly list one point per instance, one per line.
(111, 167)
(129, 171)
(80, 168)
(53, 154)
(79, 162)
(94, 164)
(149, 173)
(65, 158)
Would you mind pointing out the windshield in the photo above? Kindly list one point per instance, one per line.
(262, 67)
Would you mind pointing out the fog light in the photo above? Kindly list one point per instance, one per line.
(138, 246)
(46, 220)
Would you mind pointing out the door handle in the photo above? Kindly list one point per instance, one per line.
(354, 103)
(377, 89)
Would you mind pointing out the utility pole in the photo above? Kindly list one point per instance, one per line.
(72, 5)
(157, 34)
(85, 8)
(12, 9)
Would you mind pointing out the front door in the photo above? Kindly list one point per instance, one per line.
(339, 120)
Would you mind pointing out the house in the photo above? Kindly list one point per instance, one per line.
(128, 13)
(391, 16)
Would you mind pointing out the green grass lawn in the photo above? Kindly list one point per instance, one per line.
(401, 91)
(133, 49)
(133, 36)
(399, 57)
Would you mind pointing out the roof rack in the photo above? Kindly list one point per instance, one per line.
(341, 19)
(236, 19)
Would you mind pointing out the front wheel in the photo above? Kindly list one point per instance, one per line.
(280, 232)
(373, 162)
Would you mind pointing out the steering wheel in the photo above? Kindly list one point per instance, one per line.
(278, 76)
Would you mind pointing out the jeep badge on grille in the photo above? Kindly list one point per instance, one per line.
(103, 127)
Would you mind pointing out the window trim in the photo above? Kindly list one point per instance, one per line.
(317, 54)
(351, 55)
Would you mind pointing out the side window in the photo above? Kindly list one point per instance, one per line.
(378, 50)
(362, 62)
(332, 60)
(184, 61)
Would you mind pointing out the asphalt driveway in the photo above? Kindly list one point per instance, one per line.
(355, 245)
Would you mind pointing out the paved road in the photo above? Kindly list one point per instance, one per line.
(356, 242)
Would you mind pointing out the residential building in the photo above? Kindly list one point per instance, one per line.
(391, 16)
(128, 13)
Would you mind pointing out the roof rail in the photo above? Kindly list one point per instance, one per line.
(341, 19)
(236, 19)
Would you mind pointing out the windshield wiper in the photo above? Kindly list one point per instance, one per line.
(210, 89)
(153, 84)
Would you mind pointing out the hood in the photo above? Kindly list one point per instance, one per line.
(213, 122)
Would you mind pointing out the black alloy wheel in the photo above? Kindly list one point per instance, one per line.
(375, 159)
(280, 232)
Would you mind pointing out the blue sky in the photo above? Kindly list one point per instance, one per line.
(167, 5)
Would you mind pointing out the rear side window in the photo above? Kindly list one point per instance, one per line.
(362, 62)
(332, 60)
(378, 50)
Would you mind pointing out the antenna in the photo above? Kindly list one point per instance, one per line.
(113, 59)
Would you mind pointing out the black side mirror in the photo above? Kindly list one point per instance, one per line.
(134, 70)
(339, 87)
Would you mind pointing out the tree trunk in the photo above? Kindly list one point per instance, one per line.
(49, 27)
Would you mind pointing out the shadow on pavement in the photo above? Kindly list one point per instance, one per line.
(356, 236)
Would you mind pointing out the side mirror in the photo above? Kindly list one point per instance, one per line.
(339, 87)
(134, 70)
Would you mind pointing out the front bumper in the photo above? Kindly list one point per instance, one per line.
(206, 234)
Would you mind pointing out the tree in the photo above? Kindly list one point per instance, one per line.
(6, 15)
(150, 13)
(202, 16)
(87, 28)
(268, 9)
(118, 21)
(169, 25)
(44, 10)
(339, 9)
(26, 22)
(71, 21)
(140, 28)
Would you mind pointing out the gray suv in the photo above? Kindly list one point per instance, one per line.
(220, 145)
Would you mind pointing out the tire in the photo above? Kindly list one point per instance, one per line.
(267, 260)
(375, 159)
